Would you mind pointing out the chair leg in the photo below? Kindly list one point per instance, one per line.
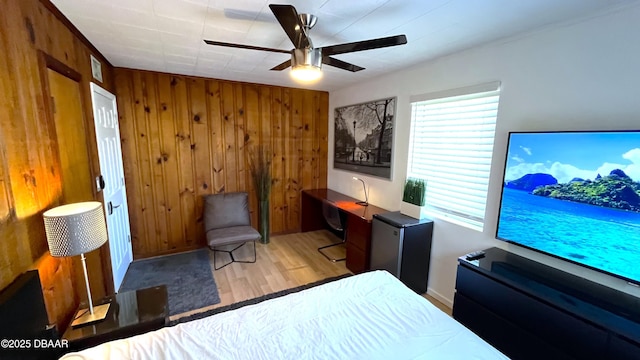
(328, 246)
(233, 259)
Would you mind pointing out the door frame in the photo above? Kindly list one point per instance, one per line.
(46, 62)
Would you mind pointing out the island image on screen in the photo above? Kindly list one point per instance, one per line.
(575, 196)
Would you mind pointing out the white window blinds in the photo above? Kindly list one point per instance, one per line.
(451, 147)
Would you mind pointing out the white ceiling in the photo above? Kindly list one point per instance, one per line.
(167, 35)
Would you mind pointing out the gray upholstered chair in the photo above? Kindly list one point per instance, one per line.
(227, 224)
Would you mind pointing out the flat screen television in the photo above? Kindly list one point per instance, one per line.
(575, 196)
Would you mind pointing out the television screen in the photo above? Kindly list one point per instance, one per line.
(576, 196)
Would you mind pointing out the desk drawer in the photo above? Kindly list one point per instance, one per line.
(507, 337)
(359, 233)
(622, 349)
(357, 260)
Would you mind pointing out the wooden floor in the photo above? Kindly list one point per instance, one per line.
(287, 261)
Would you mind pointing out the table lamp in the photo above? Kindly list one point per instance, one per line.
(366, 197)
(76, 229)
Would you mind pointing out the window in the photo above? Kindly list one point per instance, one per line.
(451, 145)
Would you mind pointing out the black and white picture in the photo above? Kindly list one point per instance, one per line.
(364, 137)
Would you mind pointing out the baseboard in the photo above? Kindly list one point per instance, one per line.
(440, 297)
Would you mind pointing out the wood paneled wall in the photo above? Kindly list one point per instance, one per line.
(30, 173)
(184, 137)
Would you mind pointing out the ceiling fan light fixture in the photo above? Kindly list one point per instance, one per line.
(306, 61)
(306, 64)
(306, 73)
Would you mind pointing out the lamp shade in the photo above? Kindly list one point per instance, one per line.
(75, 229)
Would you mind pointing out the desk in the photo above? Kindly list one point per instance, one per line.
(358, 227)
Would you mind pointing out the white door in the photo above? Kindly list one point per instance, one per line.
(105, 114)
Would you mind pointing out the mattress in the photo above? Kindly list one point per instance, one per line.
(367, 316)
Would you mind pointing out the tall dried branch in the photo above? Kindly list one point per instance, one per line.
(260, 158)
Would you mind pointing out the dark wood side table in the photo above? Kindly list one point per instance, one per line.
(131, 313)
(358, 237)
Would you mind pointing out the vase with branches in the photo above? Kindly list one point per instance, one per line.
(260, 158)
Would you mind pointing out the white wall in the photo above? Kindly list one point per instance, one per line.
(583, 75)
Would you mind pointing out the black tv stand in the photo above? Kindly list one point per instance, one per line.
(529, 310)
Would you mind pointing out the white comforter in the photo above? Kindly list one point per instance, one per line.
(368, 316)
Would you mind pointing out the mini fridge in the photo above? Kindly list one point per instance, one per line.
(402, 245)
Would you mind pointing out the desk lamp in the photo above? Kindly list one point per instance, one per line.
(366, 197)
(76, 229)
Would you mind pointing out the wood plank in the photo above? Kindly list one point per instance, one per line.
(169, 159)
(297, 159)
(230, 150)
(265, 115)
(6, 197)
(129, 139)
(200, 147)
(277, 143)
(322, 127)
(186, 163)
(240, 140)
(315, 139)
(252, 140)
(307, 127)
(154, 128)
(217, 135)
(148, 242)
(264, 108)
(186, 172)
(288, 157)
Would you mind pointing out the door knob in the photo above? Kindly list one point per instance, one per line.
(110, 207)
(100, 183)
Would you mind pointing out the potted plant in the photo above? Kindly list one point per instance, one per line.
(413, 199)
(260, 166)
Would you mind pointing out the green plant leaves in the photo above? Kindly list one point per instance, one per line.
(414, 191)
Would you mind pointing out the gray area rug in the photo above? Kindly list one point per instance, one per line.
(254, 300)
(188, 277)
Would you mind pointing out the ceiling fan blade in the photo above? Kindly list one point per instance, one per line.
(340, 64)
(250, 47)
(282, 66)
(290, 21)
(364, 45)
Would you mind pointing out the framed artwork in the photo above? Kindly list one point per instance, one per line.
(96, 68)
(363, 140)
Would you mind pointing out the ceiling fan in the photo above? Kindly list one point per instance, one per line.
(306, 61)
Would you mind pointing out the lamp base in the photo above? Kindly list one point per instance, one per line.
(363, 203)
(85, 317)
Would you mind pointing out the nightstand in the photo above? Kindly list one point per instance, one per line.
(131, 313)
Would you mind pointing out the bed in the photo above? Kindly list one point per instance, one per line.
(367, 316)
